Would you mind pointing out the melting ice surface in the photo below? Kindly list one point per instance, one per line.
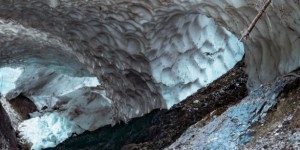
(212, 52)
(8, 77)
(58, 103)
(204, 53)
(48, 130)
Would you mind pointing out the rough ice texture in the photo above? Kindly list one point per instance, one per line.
(142, 52)
(146, 56)
(48, 130)
(193, 52)
(8, 77)
(232, 129)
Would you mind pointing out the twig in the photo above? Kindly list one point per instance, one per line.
(257, 17)
(292, 74)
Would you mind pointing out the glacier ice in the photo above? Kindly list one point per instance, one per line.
(48, 130)
(144, 54)
(61, 93)
(192, 57)
(8, 77)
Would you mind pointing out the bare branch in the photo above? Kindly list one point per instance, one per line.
(257, 17)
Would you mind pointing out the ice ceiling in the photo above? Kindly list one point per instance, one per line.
(89, 63)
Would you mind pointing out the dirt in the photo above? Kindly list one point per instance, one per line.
(281, 129)
(160, 128)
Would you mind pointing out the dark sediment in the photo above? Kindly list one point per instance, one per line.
(23, 106)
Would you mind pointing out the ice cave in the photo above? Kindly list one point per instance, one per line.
(149, 74)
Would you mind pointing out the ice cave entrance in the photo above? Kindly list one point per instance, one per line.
(184, 61)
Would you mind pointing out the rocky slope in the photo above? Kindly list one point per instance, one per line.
(8, 139)
(268, 118)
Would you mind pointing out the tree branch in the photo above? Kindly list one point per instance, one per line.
(257, 17)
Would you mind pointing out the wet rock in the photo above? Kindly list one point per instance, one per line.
(23, 106)
(234, 128)
(281, 130)
(8, 140)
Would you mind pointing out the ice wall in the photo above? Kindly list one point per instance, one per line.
(189, 51)
(8, 77)
(273, 46)
(144, 56)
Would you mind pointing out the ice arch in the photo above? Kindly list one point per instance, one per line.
(136, 48)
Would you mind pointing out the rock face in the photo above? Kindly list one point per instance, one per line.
(281, 128)
(8, 140)
(263, 120)
(23, 106)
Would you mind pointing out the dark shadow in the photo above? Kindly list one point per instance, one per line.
(23, 106)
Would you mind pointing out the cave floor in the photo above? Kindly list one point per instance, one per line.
(161, 128)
